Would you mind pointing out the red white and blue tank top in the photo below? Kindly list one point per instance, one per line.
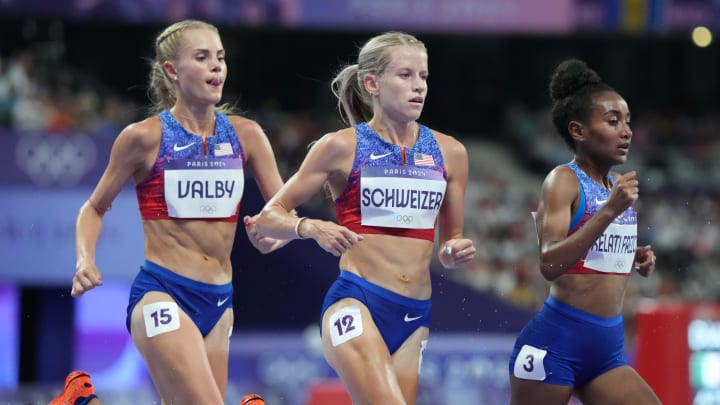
(192, 178)
(614, 251)
(393, 190)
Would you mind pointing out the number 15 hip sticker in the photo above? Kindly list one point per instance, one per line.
(529, 364)
(161, 317)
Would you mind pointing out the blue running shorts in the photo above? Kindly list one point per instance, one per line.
(563, 345)
(395, 316)
(204, 303)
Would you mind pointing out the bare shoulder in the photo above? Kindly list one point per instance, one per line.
(145, 134)
(337, 143)
(561, 172)
(560, 177)
(450, 146)
(245, 127)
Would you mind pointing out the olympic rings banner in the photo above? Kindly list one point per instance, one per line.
(44, 181)
(52, 161)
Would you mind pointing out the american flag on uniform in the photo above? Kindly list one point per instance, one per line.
(223, 149)
(422, 159)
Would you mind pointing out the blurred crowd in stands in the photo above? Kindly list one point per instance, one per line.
(675, 156)
(39, 93)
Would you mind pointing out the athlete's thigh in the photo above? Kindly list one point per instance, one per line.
(217, 345)
(530, 392)
(353, 346)
(407, 362)
(619, 386)
(174, 351)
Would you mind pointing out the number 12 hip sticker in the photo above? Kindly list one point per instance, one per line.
(345, 324)
(161, 317)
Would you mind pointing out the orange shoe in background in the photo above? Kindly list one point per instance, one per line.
(78, 386)
(252, 399)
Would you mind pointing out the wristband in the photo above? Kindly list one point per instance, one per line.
(297, 227)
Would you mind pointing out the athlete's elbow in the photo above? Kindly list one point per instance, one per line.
(90, 208)
(551, 270)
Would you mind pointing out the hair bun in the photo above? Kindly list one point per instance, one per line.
(569, 77)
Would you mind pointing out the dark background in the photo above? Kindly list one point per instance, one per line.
(472, 78)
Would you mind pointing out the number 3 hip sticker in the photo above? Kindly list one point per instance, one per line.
(345, 324)
(161, 317)
(529, 364)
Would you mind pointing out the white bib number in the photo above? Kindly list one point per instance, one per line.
(614, 251)
(401, 197)
(529, 364)
(161, 317)
(203, 188)
(345, 324)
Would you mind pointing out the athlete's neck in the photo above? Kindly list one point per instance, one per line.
(201, 122)
(595, 172)
(399, 134)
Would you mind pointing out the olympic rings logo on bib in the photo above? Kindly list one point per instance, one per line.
(207, 209)
(404, 219)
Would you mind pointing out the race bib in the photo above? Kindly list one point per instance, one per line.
(345, 324)
(161, 317)
(203, 188)
(401, 197)
(529, 364)
(614, 251)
